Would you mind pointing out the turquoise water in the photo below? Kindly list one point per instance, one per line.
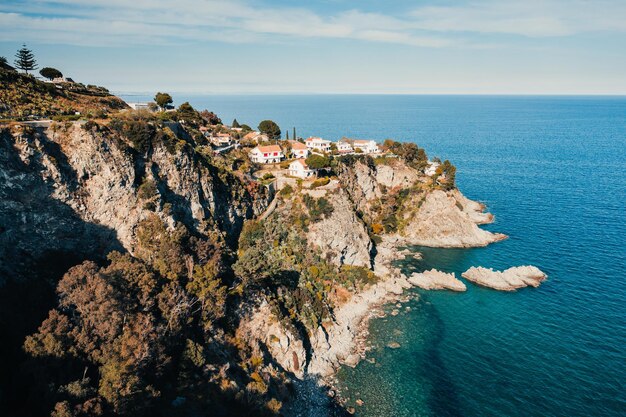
(553, 171)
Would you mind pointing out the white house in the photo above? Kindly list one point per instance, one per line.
(139, 106)
(318, 143)
(300, 169)
(298, 149)
(221, 139)
(367, 146)
(266, 154)
(344, 147)
(432, 168)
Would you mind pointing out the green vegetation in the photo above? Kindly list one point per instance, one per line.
(320, 182)
(163, 100)
(318, 208)
(270, 128)
(413, 155)
(50, 73)
(448, 172)
(315, 161)
(25, 60)
(235, 124)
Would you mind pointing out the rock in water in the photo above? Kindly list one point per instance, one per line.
(437, 280)
(508, 280)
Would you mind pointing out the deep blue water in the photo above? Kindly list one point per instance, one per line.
(553, 171)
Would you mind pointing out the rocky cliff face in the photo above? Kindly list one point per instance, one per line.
(67, 189)
(342, 237)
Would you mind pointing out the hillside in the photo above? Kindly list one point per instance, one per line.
(140, 273)
(22, 97)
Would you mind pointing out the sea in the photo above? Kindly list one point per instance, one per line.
(552, 169)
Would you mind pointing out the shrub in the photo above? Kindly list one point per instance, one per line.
(320, 182)
(286, 191)
(268, 176)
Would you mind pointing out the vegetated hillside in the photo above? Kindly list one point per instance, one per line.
(22, 96)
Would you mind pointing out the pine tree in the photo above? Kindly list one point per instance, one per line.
(25, 60)
(235, 124)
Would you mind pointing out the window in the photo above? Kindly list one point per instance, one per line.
(265, 155)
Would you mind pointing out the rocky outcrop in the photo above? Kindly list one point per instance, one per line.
(437, 280)
(507, 280)
(266, 334)
(429, 217)
(341, 237)
(447, 220)
(396, 174)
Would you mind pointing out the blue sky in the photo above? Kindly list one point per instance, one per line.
(328, 46)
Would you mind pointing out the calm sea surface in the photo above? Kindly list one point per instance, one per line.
(553, 171)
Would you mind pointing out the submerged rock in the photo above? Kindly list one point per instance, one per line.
(508, 280)
(393, 345)
(437, 280)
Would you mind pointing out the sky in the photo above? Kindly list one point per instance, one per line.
(327, 46)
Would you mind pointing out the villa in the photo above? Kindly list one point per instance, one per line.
(344, 147)
(258, 137)
(221, 139)
(320, 144)
(266, 154)
(300, 169)
(298, 149)
(367, 146)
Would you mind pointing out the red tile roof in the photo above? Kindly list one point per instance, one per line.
(270, 148)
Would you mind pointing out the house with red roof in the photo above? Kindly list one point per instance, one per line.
(269, 154)
(298, 149)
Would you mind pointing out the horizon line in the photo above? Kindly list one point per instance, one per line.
(303, 93)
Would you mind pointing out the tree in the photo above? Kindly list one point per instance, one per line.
(270, 128)
(163, 100)
(50, 73)
(210, 117)
(317, 161)
(25, 60)
(235, 124)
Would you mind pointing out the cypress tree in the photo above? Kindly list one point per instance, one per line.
(294, 134)
(287, 135)
(25, 60)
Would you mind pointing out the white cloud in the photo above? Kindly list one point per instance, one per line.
(116, 22)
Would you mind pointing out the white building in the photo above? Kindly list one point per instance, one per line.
(139, 106)
(344, 147)
(318, 143)
(258, 137)
(220, 139)
(432, 168)
(367, 146)
(300, 169)
(266, 154)
(298, 149)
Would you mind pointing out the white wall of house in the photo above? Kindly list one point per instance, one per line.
(297, 169)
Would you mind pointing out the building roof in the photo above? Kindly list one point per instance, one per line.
(297, 145)
(363, 141)
(269, 148)
(312, 139)
(301, 162)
